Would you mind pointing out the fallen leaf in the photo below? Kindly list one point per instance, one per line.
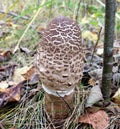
(95, 58)
(99, 119)
(116, 97)
(7, 71)
(5, 56)
(96, 74)
(113, 109)
(34, 79)
(40, 30)
(14, 92)
(99, 51)
(84, 20)
(6, 84)
(28, 74)
(25, 50)
(3, 34)
(94, 96)
(114, 112)
(116, 78)
(19, 74)
(90, 36)
(116, 46)
(115, 69)
(116, 57)
(92, 81)
(11, 94)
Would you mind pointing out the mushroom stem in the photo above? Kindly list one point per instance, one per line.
(58, 104)
(59, 108)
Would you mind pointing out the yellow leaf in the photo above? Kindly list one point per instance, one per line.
(5, 84)
(17, 77)
(29, 73)
(85, 20)
(90, 36)
(116, 97)
(92, 81)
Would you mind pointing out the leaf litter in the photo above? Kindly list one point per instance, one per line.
(19, 83)
(16, 80)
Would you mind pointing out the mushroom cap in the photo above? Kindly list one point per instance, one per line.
(60, 55)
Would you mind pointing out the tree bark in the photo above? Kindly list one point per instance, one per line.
(108, 48)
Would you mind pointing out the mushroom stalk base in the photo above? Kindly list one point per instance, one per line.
(59, 108)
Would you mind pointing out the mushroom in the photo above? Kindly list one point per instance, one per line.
(60, 65)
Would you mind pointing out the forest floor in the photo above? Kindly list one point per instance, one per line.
(22, 24)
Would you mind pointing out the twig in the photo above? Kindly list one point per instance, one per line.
(14, 14)
(65, 102)
(96, 44)
(19, 41)
(1, 126)
(78, 7)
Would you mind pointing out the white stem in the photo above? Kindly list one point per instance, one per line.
(57, 93)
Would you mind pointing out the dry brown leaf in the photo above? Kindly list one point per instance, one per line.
(34, 79)
(29, 73)
(6, 71)
(92, 82)
(113, 108)
(11, 94)
(99, 119)
(5, 56)
(19, 72)
(40, 30)
(116, 97)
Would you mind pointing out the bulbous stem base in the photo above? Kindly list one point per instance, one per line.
(59, 108)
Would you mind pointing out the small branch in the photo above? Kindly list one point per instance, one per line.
(65, 102)
(14, 15)
(19, 41)
(96, 44)
(1, 126)
(77, 12)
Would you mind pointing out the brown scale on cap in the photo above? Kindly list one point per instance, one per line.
(60, 55)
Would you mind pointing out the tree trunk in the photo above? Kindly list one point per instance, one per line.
(108, 48)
